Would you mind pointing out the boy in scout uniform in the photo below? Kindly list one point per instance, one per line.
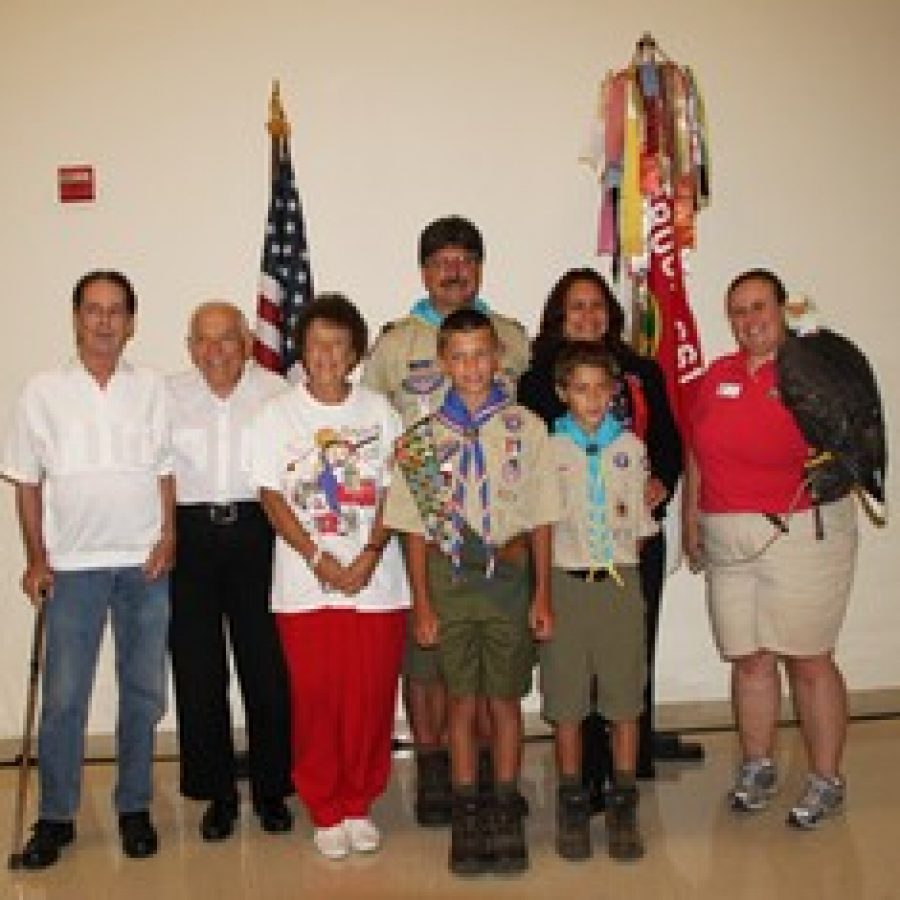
(474, 499)
(598, 610)
(404, 366)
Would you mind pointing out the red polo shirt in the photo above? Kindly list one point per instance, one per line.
(748, 447)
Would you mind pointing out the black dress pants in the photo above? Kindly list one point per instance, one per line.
(220, 585)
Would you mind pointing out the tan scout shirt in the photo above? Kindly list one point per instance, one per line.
(624, 467)
(519, 464)
(404, 366)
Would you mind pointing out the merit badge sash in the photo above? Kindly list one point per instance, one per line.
(416, 457)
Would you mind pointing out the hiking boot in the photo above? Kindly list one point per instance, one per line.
(625, 841)
(47, 839)
(434, 800)
(821, 798)
(507, 836)
(573, 823)
(486, 780)
(469, 847)
(755, 783)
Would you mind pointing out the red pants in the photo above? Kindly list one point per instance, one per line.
(343, 668)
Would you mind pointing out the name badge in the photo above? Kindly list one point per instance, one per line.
(728, 389)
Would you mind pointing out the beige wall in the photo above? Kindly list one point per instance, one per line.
(407, 109)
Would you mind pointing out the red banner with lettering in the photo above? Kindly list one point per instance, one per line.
(669, 332)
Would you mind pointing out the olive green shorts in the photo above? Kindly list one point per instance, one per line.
(419, 663)
(599, 630)
(485, 646)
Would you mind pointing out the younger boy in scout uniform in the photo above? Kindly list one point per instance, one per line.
(404, 366)
(474, 499)
(598, 610)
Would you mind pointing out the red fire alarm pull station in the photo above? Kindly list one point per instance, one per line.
(76, 184)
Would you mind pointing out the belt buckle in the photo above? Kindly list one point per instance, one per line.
(223, 513)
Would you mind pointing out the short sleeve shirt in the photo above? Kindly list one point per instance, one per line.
(519, 468)
(331, 464)
(98, 454)
(211, 435)
(623, 464)
(749, 450)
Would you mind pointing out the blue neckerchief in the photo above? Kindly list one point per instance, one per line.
(425, 310)
(592, 445)
(454, 415)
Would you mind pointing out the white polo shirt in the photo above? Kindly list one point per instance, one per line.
(99, 454)
(330, 462)
(211, 435)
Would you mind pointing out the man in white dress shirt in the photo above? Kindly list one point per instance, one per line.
(89, 455)
(222, 580)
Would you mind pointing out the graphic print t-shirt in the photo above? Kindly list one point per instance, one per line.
(330, 462)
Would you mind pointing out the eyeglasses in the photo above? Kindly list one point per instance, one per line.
(453, 261)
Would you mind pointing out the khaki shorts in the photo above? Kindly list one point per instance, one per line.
(599, 630)
(485, 646)
(791, 599)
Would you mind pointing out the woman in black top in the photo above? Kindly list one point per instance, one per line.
(581, 306)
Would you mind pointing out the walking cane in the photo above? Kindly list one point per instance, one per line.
(34, 675)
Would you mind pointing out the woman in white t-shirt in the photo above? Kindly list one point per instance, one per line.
(320, 458)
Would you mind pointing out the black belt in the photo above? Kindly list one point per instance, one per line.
(782, 525)
(221, 513)
(588, 574)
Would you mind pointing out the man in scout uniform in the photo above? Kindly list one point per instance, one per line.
(404, 366)
(598, 609)
(475, 499)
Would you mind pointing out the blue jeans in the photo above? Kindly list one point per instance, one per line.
(76, 618)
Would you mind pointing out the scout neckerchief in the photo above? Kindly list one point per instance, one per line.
(454, 415)
(425, 311)
(592, 445)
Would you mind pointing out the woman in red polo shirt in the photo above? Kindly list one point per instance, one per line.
(778, 570)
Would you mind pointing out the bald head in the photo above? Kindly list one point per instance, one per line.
(219, 342)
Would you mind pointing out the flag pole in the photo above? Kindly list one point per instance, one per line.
(278, 127)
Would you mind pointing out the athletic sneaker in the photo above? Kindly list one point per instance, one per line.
(822, 797)
(332, 842)
(364, 835)
(755, 783)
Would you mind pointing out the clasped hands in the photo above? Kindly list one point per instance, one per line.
(347, 579)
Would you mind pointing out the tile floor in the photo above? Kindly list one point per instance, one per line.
(696, 847)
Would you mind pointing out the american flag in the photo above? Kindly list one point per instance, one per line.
(285, 281)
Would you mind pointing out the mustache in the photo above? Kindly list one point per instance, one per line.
(453, 281)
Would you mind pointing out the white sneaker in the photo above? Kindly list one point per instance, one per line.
(332, 842)
(364, 835)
